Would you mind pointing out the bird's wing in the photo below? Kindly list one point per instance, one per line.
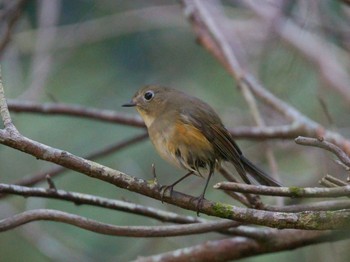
(217, 134)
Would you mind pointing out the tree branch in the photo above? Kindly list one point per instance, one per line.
(86, 199)
(314, 206)
(302, 220)
(317, 50)
(12, 14)
(307, 141)
(207, 35)
(335, 180)
(75, 110)
(265, 132)
(53, 172)
(285, 191)
(240, 247)
(108, 229)
(4, 112)
(75, 35)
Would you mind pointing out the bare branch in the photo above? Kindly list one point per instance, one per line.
(211, 33)
(316, 50)
(240, 247)
(335, 180)
(108, 229)
(259, 133)
(302, 220)
(52, 185)
(43, 240)
(4, 112)
(86, 199)
(245, 200)
(209, 38)
(74, 110)
(267, 132)
(13, 13)
(55, 171)
(233, 61)
(285, 191)
(41, 66)
(335, 219)
(106, 27)
(325, 110)
(327, 183)
(315, 206)
(321, 143)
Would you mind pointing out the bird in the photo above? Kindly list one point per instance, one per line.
(189, 134)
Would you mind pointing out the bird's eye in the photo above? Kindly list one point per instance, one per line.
(148, 95)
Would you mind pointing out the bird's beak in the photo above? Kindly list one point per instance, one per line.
(130, 104)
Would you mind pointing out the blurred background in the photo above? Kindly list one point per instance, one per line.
(98, 53)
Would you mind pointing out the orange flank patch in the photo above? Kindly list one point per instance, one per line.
(189, 135)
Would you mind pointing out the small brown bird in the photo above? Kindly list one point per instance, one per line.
(189, 134)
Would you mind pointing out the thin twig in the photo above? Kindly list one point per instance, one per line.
(314, 206)
(243, 199)
(325, 109)
(321, 143)
(75, 35)
(231, 56)
(14, 13)
(303, 124)
(342, 164)
(47, 18)
(75, 110)
(52, 185)
(285, 191)
(327, 183)
(4, 112)
(315, 49)
(335, 180)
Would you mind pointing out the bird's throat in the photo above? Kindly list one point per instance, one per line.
(147, 118)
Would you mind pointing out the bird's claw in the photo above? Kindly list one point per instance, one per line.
(199, 200)
(163, 189)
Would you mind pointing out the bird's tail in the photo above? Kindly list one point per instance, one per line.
(259, 175)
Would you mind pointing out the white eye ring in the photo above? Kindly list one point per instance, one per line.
(148, 95)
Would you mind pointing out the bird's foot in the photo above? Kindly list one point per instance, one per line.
(163, 189)
(199, 201)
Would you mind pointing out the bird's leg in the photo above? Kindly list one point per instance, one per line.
(171, 187)
(155, 179)
(201, 197)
